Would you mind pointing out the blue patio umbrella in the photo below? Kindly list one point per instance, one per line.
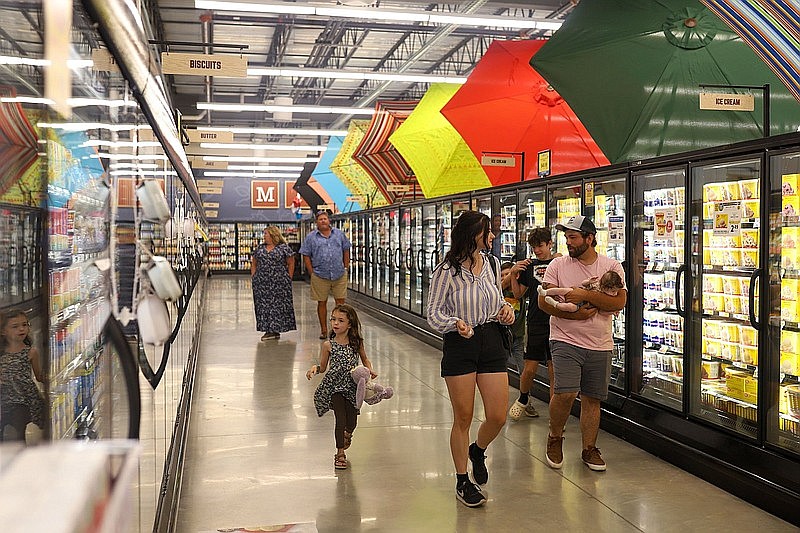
(330, 181)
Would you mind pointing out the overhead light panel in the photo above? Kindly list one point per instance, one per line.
(86, 126)
(275, 131)
(327, 110)
(265, 168)
(255, 159)
(221, 174)
(255, 146)
(352, 75)
(383, 15)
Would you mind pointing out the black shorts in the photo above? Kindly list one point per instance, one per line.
(482, 353)
(538, 349)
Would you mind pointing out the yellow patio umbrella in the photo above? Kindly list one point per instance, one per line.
(436, 152)
(350, 172)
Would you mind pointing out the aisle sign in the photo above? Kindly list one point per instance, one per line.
(325, 207)
(103, 61)
(727, 219)
(227, 66)
(209, 190)
(211, 205)
(264, 194)
(202, 136)
(498, 161)
(727, 101)
(210, 183)
(616, 229)
(199, 163)
(665, 223)
(211, 214)
(393, 187)
(356, 198)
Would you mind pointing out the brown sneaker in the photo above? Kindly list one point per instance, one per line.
(554, 455)
(591, 458)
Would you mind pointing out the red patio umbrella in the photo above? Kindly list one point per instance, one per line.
(377, 156)
(506, 107)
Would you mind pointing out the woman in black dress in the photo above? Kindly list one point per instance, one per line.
(272, 268)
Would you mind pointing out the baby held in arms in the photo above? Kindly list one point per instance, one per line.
(609, 283)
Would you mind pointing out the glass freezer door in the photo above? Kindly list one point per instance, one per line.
(605, 205)
(783, 413)
(506, 206)
(531, 215)
(446, 221)
(657, 308)
(431, 244)
(564, 203)
(403, 265)
(415, 261)
(482, 204)
(723, 357)
(393, 285)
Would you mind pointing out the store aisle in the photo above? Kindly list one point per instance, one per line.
(258, 455)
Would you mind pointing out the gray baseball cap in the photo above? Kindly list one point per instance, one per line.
(578, 223)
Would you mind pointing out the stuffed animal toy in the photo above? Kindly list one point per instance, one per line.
(366, 389)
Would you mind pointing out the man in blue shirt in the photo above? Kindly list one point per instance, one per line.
(326, 254)
(497, 223)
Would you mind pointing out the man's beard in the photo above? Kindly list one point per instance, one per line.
(578, 250)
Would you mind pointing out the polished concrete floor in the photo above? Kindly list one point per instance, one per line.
(258, 455)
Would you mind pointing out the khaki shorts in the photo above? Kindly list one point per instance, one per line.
(321, 288)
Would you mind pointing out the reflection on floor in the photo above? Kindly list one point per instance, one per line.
(259, 455)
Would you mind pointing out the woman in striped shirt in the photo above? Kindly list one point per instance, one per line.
(466, 304)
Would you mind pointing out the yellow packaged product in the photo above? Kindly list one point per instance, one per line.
(712, 348)
(717, 257)
(711, 369)
(749, 354)
(790, 363)
(708, 210)
(711, 329)
(783, 399)
(707, 256)
(748, 189)
(788, 311)
(732, 257)
(732, 189)
(751, 209)
(712, 283)
(708, 235)
(789, 287)
(729, 350)
(749, 238)
(790, 237)
(713, 192)
(790, 206)
(732, 285)
(749, 258)
(713, 303)
(789, 184)
(748, 335)
(790, 341)
(733, 305)
(729, 331)
(789, 258)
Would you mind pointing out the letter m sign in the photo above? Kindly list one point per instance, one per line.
(264, 194)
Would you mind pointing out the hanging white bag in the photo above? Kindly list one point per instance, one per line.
(163, 278)
(154, 203)
(152, 316)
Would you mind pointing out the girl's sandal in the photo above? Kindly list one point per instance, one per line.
(340, 461)
(348, 439)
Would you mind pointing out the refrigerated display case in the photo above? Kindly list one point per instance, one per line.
(483, 204)
(604, 201)
(394, 258)
(532, 215)
(783, 354)
(564, 202)
(430, 251)
(222, 247)
(506, 205)
(655, 301)
(725, 238)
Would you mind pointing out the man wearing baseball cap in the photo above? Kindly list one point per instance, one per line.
(580, 342)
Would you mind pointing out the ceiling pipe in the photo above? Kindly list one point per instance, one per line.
(207, 36)
(122, 29)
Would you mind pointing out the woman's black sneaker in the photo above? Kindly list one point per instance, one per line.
(479, 472)
(470, 494)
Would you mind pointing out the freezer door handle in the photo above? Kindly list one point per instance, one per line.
(130, 374)
(409, 259)
(398, 257)
(678, 278)
(420, 260)
(752, 298)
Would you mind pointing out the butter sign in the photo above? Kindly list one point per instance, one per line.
(200, 136)
(226, 66)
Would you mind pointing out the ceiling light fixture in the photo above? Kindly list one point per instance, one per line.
(266, 168)
(238, 108)
(353, 75)
(85, 126)
(74, 102)
(34, 62)
(274, 131)
(220, 174)
(382, 15)
(246, 159)
(120, 144)
(254, 146)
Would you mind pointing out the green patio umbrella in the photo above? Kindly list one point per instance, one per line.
(441, 160)
(350, 172)
(632, 70)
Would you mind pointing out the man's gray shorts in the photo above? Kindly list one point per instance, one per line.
(579, 369)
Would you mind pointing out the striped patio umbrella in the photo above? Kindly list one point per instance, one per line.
(329, 181)
(18, 150)
(441, 160)
(350, 172)
(771, 28)
(378, 156)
